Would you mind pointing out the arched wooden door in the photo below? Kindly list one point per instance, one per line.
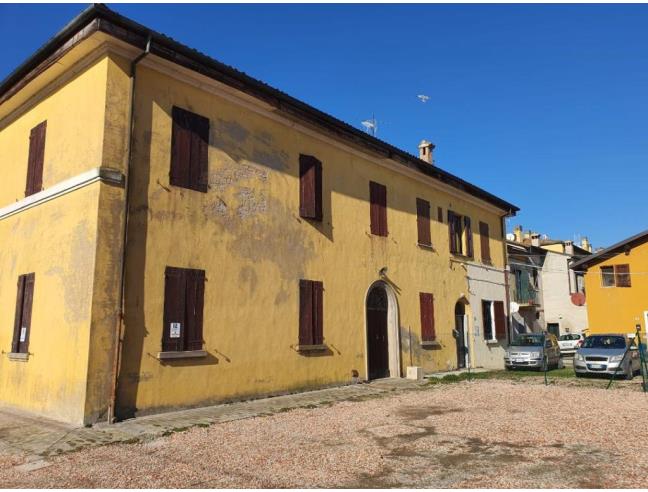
(377, 338)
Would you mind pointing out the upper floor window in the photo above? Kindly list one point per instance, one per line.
(189, 150)
(615, 276)
(310, 187)
(423, 222)
(378, 213)
(460, 231)
(484, 238)
(36, 159)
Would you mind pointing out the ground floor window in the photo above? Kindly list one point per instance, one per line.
(494, 320)
(184, 291)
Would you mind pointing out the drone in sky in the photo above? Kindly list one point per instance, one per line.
(423, 98)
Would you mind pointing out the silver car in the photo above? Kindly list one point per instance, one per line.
(603, 354)
(530, 349)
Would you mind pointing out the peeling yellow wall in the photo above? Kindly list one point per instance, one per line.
(618, 309)
(247, 235)
(56, 241)
(75, 125)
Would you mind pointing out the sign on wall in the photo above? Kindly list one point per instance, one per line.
(174, 331)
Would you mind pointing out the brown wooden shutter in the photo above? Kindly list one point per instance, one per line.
(36, 159)
(189, 150)
(451, 232)
(310, 187)
(378, 212)
(19, 312)
(28, 300)
(305, 312)
(485, 242)
(318, 312)
(199, 165)
(174, 308)
(500, 320)
(622, 275)
(440, 214)
(427, 317)
(423, 221)
(195, 292)
(469, 237)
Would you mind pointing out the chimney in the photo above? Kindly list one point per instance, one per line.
(426, 150)
(569, 248)
(585, 244)
(535, 240)
(517, 232)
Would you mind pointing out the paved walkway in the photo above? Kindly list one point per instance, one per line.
(39, 438)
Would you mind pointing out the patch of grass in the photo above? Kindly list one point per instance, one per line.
(566, 372)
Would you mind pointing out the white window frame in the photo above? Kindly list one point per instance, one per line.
(493, 333)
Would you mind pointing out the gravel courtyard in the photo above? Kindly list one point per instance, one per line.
(483, 433)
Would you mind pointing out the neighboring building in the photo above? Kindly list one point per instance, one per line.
(547, 293)
(237, 243)
(525, 288)
(616, 283)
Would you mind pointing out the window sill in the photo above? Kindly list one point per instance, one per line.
(492, 342)
(431, 343)
(18, 356)
(311, 348)
(185, 354)
(425, 246)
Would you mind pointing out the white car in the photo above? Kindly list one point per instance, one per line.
(569, 343)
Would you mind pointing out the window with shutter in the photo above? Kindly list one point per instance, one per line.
(423, 222)
(189, 150)
(488, 320)
(622, 274)
(500, 320)
(36, 159)
(468, 237)
(310, 187)
(428, 333)
(184, 291)
(22, 320)
(378, 208)
(485, 242)
(311, 330)
(440, 214)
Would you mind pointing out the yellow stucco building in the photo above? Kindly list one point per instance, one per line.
(177, 233)
(616, 286)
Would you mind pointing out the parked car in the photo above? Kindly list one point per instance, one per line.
(603, 354)
(569, 342)
(530, 349)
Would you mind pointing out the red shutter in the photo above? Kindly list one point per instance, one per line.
(318, 312)
(305, 312)
(195, 294)
(440, 214)
(180, 148)
(36, 159)
(427, 317)
(378, 214)
(500, 320)
(310, 187)
(199, 164)
(423, 221)
(485, 242)
(469, 237)
(622, 274)
(451, 232)
(19, 312)
(174, 308)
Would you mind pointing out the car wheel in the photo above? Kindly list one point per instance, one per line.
(578, 374)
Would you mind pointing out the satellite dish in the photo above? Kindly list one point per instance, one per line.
(515, 307)
(510, 237)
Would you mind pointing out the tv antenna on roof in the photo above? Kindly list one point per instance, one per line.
(371, 126)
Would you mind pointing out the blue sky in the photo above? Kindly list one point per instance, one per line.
(543, 105)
